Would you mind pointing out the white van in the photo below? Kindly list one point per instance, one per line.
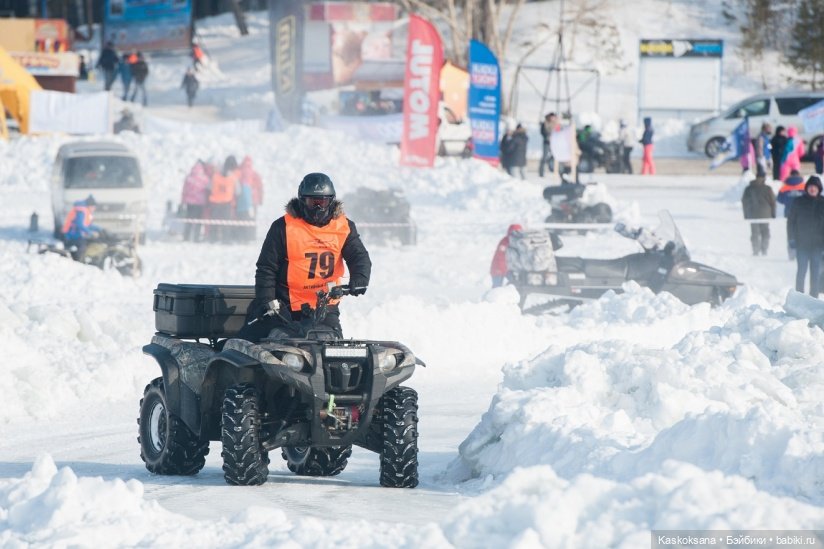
(108, 171)
(779, 109)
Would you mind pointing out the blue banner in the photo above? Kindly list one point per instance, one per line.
(148, 24)
(736, 145)
(484, 101)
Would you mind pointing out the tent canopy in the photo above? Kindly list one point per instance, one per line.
(15, 85)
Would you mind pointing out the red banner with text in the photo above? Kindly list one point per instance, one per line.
(421, 93)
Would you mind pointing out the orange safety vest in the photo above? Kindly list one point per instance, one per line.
(72, 215)
(223, 188)
(314, 258)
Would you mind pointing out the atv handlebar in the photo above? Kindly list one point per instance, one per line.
(273, 307)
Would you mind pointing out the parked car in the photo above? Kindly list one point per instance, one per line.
(108, 171)
(779, 109)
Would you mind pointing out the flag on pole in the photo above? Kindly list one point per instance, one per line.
(736, 145)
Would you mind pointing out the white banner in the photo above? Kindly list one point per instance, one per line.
(53, 111)
(813, 117)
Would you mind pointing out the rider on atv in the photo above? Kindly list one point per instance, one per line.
(304, 251)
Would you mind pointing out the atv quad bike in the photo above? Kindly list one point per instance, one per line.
(105, 252)
(303, 390)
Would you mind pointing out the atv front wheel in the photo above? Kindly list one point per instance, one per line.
(167, 446)
(399, 454)
(245, 462)
(316, 462)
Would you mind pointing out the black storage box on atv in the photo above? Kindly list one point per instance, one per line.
(201, 311)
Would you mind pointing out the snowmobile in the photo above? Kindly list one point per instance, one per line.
(382, 216)
(302, 389)
(551, 282)
(568, 206)
(105, 252)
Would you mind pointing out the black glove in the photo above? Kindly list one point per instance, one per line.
(357, 285)
(357, 290)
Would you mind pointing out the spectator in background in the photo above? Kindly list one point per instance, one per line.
(547, 127)
(198, 57)
(647, 164)
(748, 158)
(195, 198)
(191, 85)
(763, 148)
(778, 142)
(758, 202)
(140, 72)
(83, 71)
(793, 151)
(792, 188)
(805, 227)
(221, 197)
(515, 149)
(818, 156)
(498, 268)
(250, 177)
(108, 62)
(125, 71)
(626, 136)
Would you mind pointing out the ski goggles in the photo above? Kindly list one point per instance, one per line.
(320, 202)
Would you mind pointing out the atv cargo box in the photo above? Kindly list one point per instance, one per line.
(200, 310)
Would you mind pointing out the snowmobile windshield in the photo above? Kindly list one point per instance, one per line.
(668, 231)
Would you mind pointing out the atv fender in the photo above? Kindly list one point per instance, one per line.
(170, 370)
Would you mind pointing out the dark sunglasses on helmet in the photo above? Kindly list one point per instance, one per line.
(321, 202)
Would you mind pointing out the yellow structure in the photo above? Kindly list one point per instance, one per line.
(4, 130)
(15, 86)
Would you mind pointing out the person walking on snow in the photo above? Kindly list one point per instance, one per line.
(647, 163)
(793, 151)
(547, 127)
(108, 62)
(778, 142)
(140, 71)
(627, 138)
(763, 148)
(805, 228)
(498, 268)
(792, 188)
(125, 70)
(758, 202)
(191, 85)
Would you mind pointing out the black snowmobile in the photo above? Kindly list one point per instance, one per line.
(550, 282)
(303, 390)
(567, 206)
(383, 216)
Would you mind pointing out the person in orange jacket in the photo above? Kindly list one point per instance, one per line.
(222, 197)
(498, 268)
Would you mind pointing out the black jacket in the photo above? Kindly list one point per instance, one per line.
(140, 70)
(758, 200)
(108, 59)
(513, 149)
(272, 265)
(806, 223)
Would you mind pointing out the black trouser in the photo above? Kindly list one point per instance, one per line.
(219, 212)
(191, 231)
(626, 164)
(811, 257)
(546, 159)
(760, 237)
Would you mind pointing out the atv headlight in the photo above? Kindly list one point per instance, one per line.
(293, 361)
(387, 362)
(534, 279)
(346, 352)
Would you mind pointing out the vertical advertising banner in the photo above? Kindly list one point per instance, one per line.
(421, 93)
(286, 20)
(148, 25)
(484, 101)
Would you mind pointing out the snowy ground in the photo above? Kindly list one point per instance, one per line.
(587, 429)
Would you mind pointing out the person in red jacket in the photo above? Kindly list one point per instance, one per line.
(498, 267)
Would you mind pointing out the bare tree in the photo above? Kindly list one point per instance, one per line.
(470, 19)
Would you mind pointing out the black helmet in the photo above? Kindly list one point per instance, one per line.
(90, 201)
(316, 193)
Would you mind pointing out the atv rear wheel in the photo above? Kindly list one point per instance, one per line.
(245, 462)
(399, 453)
(167, 446)
(316, 462)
